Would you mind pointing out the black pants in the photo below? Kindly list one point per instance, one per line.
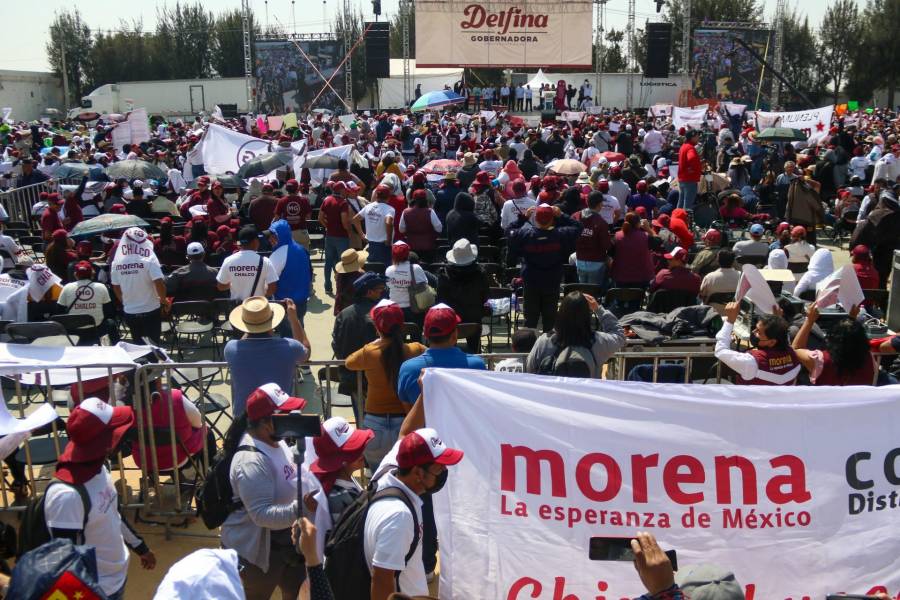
(541, 302)
(145, 325)
(519, 103)
(528, 106)
(429, 535)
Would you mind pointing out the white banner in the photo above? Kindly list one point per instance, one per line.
(733, 108)
(689, 117)
(660, 110)
(133, 130)
(503, 33)
(815, 122)
(794, 489)
(224, 150)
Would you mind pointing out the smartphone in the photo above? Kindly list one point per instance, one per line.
(619, 548)
(294, 425)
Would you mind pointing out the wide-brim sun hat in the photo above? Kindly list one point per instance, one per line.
(352, 261)
(462, 253)
(256, 315)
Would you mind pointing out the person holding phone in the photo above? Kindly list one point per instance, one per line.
(264, 480)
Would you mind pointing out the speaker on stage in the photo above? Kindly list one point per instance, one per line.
(378, 63)
(659, 50)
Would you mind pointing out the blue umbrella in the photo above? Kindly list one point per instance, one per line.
(436, 100)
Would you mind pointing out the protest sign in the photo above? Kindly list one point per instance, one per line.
(815, 122)
(224, 150)
(794, 489)
(689, 117)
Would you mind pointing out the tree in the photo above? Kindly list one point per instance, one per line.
(800, 63)
(613, 55)
(396, 39)
(228, 44)
(840, 24)
(748, 11)
(189, 26)
(70, 34)
(876, 55)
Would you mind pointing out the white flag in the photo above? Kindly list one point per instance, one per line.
(689, 117)
(224, 150)
(753, 287)
(815, 122)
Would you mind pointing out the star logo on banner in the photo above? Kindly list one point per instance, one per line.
(820, 126)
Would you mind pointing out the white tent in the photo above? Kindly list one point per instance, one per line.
(538, 80)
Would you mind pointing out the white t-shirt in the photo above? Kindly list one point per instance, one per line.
(136, 278)
(283, 464)
(375, 215)
(239, 272)
(800, 251)
(512, 208)
(398, 282)
(609, 207)
(64, 509)
(653, 142)
(91, 296)
(16, 254)
(389, 534)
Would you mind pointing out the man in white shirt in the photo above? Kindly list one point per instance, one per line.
(799, 250)
(245, 273)
(13, 255)
(504, 95)
(518, 205)
(86, 297)
(520, 98)
(378, 218)
(140, 286)
(617, 186)
(611, 209)
(392, 540)
(653, 141)
(84, 485)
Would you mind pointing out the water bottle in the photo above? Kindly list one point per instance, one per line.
(514, 302)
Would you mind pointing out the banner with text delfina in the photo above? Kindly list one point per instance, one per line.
(501, 33)
(794, 489)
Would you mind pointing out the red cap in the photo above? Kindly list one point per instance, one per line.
(165, 221)
(519, 189)
(400, 251)
(55, 198)
(861, 251)
(641, 211)
(386, 315)
(339, 444)
(268, 188)
(203, 180)
(713, 235)
(423, 447)
(59, 235)
(419, 195)
(268, 399)
(440, 321)
(483, 178)
(543, 215)
(94, 428)
(603, 185)
(615, 170)
(84, 268)
(419, 177)
(641, 186)
(339, 187)
(782, 227)
(677, 252)
(117, 209)
(798, 230)
(382, 191)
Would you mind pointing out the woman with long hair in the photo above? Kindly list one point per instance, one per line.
(421, 226)
(170, 249)
(572, 331)
(380, 361)
(632, 262)
(59, 254)
(217, 207)
(571, 202)
(847, 360)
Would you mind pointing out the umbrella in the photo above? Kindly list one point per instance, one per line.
(72, 170)
(87, 116)
(264, 163)
(436, 100)
(609, 156)
(781, 134)
(107, 222)
(441, 166)
(323, 161)
(228, 180)
(566, 166)
(135, 169)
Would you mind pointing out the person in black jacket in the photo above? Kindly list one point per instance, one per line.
(529, 165)
(462, 221)
(463, 285)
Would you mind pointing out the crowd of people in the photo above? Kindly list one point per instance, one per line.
(620, 207)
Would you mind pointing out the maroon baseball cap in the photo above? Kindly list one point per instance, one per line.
(543, 215)
(268, 399)
(678, 253)
(423, 447)
(861, 251)
(440, 320)
(94, 428)
(339, 444)
(84, 267)
(386, 315)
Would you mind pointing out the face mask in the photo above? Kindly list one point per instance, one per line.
(440, 482)
(754, 339)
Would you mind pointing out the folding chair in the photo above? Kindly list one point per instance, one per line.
(623, 301)
(50, 333)
(82, 327)
(499, 293)
(375, 267)
(411, 332)
(664, 301)
(192, 321)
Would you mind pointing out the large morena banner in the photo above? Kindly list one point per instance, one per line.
(488, 33)
(793, 489)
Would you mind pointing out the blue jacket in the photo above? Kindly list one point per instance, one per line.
(296, 276)
(543, 251)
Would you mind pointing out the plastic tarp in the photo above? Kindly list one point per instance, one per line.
(538, 80)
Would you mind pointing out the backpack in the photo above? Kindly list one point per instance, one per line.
(33, 530)
(345, 565)
(215, 498)
(572, 361)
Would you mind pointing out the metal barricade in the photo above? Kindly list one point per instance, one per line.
(18, 201)
(622, 362)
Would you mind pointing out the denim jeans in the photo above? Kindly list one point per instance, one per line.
(145, 325)
(590, 271)
(334, 247)
(379, 252)
(687, 193)
(387, 431)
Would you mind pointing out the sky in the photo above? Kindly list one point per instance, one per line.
(22, 46)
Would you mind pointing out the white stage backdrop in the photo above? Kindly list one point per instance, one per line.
(795, 489)
(503, 33)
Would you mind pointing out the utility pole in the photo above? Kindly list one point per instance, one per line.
(686, 38)
(404, 26)
(632, 59)
(248, 59)
(779, 52)
(348, 52)
(65, 78)
(598, 41)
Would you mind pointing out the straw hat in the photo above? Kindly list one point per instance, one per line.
(450, 176)
(352, 261)
(469, 159)
(256, 315)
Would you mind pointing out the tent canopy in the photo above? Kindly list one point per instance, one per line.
(538, 80)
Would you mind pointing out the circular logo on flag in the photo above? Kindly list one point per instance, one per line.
(250, 150)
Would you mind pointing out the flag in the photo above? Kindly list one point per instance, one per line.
(852, 105)
(224, 150)
(815, 122)
(689, 117)
(289, 120)
(217, 114)
(753, 287)
(69, 587)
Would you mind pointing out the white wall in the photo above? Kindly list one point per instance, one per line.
(28, 93)
(613, 93)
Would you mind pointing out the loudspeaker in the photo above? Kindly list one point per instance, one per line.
(659, 50)
(378, 50)
(548, 115)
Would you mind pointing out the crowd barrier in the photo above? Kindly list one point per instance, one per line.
(18, 201)
(167, 493)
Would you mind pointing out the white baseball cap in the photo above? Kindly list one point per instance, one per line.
(195, 249)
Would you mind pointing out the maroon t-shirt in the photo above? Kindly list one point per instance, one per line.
(50, 221)
(293, 209)
(594, 242)
(677, 278)
(333, 208)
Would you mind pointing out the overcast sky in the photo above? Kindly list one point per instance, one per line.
(22, 44)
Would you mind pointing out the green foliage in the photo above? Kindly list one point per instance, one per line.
(71, 34)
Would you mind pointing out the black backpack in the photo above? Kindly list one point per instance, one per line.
(572, 361)
(215, 498)
(346, 566)
(33, 530)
